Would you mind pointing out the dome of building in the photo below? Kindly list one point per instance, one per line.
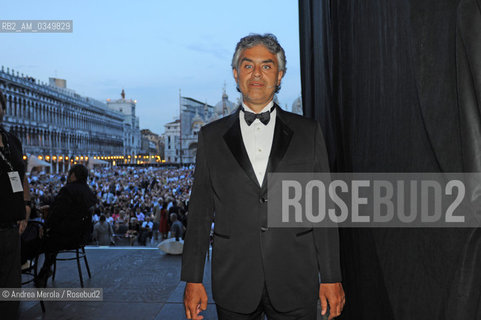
(224, 107)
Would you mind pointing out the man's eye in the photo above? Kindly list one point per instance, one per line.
(266, 67)
(248, 66)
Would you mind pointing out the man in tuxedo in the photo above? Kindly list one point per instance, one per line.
(256, 270)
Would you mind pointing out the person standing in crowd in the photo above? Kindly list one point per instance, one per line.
(177, 228)
(257, 270)
(145, 231)
(102, 232)
(14, 212)
(164, 221)
(133, 232)
(156, 222)
(139, 215)
(69, 220)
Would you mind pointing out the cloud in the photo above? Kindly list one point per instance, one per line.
(213, 49)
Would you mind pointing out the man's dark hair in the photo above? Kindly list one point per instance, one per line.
(102, 218)
(3, 101)
(80, 171)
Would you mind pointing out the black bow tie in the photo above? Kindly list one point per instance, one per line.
(264, 117)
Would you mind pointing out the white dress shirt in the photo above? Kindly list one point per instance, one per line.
(258, 140)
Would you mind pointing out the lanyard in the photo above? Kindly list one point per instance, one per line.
(6, 161)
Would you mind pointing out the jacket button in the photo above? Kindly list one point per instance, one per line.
(264, 229)
(262, 200)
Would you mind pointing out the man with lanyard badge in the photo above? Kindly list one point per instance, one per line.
(14, 212)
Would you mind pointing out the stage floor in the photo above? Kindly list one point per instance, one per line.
(138, 283)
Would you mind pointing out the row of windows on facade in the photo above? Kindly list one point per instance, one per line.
(43, 109)
(48, 114)
(70, 120)
(41, 92)
(42, 138)
(30, 106)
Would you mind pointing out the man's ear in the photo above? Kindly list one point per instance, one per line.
(234, 71)
(280, 74)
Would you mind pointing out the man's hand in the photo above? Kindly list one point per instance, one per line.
(22, 224)
(332, 294)
(195, 300)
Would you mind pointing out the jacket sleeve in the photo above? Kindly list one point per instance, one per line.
(326, 238)
(200, 216)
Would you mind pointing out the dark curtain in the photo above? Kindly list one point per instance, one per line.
(316, 72)
(383, 78)
(465, 289)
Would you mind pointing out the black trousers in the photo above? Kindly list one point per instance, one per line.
(265, 308)
(10, 273)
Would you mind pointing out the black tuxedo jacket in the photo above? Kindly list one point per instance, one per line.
(246, 255)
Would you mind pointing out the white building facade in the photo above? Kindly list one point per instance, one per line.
(131, 131)
(171, 140)
(181, 135)
(56, 124)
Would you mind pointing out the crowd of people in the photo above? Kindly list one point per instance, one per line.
(136, 206)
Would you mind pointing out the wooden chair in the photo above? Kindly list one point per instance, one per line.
(79, 254)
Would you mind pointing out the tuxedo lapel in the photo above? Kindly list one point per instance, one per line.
(233, 139)
(280, 143)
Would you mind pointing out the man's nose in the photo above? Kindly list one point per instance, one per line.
(257, 71)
